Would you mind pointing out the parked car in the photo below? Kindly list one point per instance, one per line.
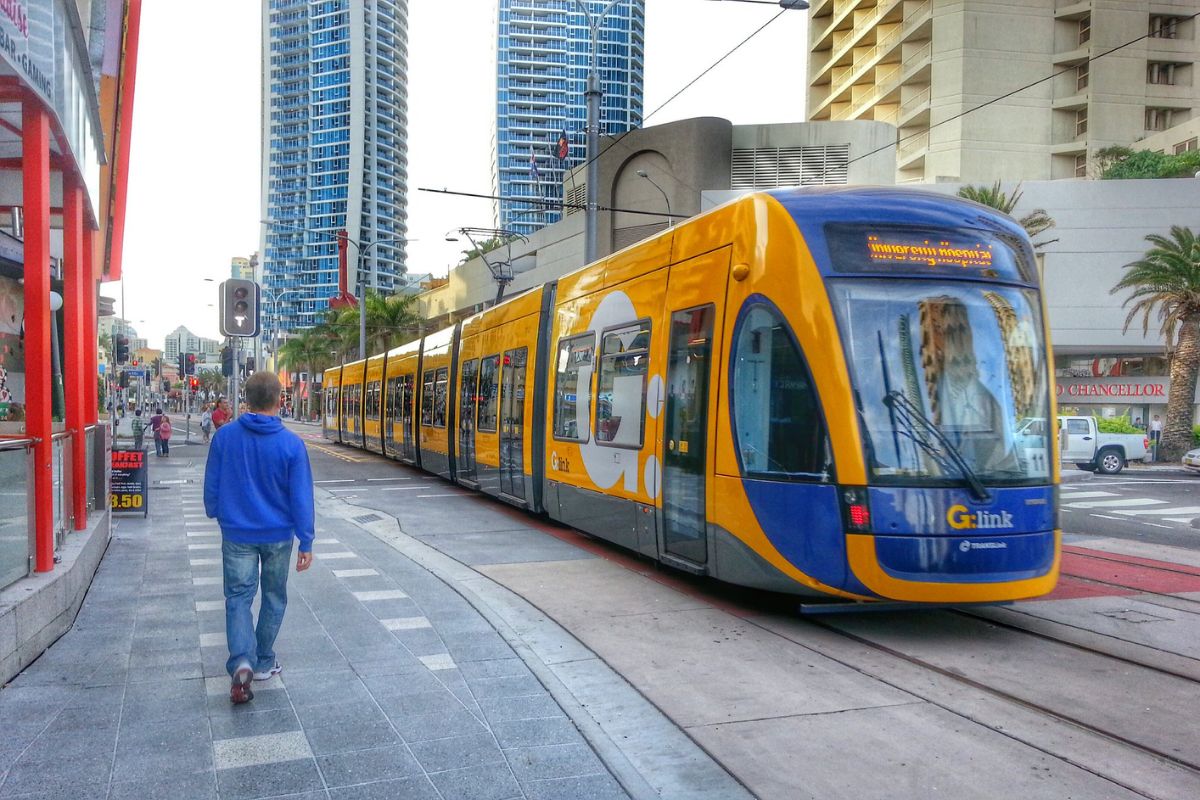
(1093, 451)
(1191, 460)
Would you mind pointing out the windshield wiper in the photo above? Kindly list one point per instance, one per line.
(914, 421)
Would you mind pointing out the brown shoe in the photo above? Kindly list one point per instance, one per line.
(239, 691)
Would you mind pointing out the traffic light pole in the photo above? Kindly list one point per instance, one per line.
(235, 344)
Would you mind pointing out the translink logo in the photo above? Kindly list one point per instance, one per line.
(961, 519)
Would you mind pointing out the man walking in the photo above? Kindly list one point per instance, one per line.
(139, 429)
(258, 485)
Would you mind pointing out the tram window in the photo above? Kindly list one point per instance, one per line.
(373, 400)
(427, 398)
(439, 398)
(489, 373)
(393, 399)
(468, 395)
(621, 394)
(780, 432)
(572, 388)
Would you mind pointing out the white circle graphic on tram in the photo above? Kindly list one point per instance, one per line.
(621, 403)
(654, 396)
(652, 476)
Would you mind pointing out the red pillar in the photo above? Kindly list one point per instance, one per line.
(75, 334)
(91, 330)
(35, 158)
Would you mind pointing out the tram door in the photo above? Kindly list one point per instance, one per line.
(465, 460)
(408, 451)
(692, 370)
(512, 423)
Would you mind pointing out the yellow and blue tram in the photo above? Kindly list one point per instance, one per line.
(817, 392)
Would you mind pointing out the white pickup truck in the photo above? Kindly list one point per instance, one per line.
(1106, 453)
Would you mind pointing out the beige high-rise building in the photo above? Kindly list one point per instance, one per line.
(923, 65)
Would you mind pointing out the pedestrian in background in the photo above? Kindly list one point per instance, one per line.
(155, 422)
(139, 429)
(163, 435)
(258, 486)
(221, 413)
(206, 421)
(1155, 435)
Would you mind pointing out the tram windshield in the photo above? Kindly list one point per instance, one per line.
(950, 380)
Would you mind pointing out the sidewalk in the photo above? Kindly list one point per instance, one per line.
(393, 685)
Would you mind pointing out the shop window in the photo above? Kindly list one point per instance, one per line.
(621, 390)
(572, 384)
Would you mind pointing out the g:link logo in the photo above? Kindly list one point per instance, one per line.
(960, 519)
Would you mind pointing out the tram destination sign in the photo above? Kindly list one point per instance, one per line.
(950, 252)
(130, 481)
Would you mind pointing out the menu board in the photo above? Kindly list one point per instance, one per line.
(130, 480)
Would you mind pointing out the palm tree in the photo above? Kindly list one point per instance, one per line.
(308, 352)
(1036, 222)
(390, 321)
(1167, 278)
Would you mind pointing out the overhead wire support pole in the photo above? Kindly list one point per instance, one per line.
(592, 95)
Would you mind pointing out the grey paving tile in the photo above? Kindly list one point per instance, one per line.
(154, 708)
(40, 783)
(411, 683)
(267, 748)
(513, 686)
(170, 762)
(338, 739)
(553, 761)
(486, 782)
(505, 709)
(457, 752)
(587, 787)
(365, 766)
(269, 780)
(418, 788)
(534, 732)
(437, 701)
(257, 723)
(200, 786)
(493, 668)
(436, 726)
(349, 713)
(53, 789)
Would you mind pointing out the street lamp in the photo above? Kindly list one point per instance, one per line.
(642, 174)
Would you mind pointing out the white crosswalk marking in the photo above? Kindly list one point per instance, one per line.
(1084, 495)
(1124, 503)
(1160, 511)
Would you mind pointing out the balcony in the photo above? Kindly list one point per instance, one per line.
(914, 110)
(912, 149)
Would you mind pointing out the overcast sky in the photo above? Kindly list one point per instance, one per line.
(194, 170)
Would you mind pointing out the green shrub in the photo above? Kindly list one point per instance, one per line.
(1116, 425)
(1196, 435)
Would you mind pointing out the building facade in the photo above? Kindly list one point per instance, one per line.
(542, 61)
(181, 340)
(334, 151)
(922, 64)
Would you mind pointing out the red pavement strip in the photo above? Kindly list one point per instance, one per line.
(1094, 573)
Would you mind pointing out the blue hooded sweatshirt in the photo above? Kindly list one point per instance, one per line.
(258, 483)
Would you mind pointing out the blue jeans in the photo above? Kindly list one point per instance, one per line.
(243, 564)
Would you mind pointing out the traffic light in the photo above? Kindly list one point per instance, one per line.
(239, 307)
(121, 348)
(182, 365)
(194, 383)
(227, 361)
(133, 363)
(190, 368)
(166, 386)
(123, 381)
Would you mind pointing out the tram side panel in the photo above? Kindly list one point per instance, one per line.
(603, 388)
(352, 403)
(373, 405)
(433, 392)
(400, 402)
(330, 413)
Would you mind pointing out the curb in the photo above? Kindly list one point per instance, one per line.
(586, 697)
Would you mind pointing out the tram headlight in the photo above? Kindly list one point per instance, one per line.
(856, 509)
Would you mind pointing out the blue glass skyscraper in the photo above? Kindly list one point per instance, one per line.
(334, 152)
(542, 65)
